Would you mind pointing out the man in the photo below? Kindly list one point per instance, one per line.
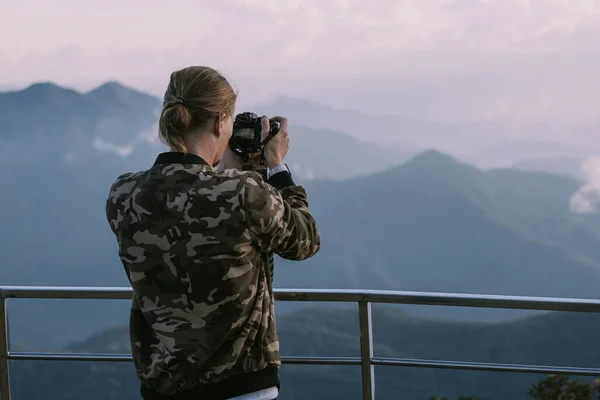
(194, 242)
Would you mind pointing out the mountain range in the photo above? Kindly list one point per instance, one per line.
(388, 220)
(116, 118)
(70, 126)
(486, 143)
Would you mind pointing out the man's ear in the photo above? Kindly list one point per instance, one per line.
(219, 125)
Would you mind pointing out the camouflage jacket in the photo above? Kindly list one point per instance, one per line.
(195, 244)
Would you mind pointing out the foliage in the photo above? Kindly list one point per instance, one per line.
(555, 387)
(561, 387)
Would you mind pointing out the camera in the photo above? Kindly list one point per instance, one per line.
(246, 138)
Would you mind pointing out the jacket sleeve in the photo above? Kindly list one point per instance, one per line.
(279, 220)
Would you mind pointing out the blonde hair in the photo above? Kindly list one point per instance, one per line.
(195, 96)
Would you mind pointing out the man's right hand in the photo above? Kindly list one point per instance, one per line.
(277, 148)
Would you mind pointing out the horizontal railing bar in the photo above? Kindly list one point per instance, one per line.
(33, 356)
(405, 362)
(66, 292)
(330, 295)
(476, 366)
(321, 360)
(441, 299)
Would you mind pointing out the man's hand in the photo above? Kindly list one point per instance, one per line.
(277, 148)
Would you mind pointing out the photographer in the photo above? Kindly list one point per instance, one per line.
(195, 244)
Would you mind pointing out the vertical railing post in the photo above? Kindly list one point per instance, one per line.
(366, 350)
(4, 374)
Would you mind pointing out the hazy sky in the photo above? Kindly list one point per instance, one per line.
(529, 61)
(507, 52)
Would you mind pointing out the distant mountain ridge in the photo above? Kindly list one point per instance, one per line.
(120, 120)
(397, 218)
(458, 226)
(429, 223)
(43, 105)
(432, 224)
(485, 143)
(60, 124)
(395, 135)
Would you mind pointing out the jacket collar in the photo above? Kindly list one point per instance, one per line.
(173, 157)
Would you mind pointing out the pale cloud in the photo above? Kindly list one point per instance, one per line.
(120, 150)
(587, 198)
(304, 173)
(69, 158)
(125, 150)
(150, 136)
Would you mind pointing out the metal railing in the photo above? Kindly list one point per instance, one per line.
(364, 299)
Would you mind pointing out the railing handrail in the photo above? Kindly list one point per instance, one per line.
(334, 295)
(364, 299)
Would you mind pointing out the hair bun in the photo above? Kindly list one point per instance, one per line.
(207, 94)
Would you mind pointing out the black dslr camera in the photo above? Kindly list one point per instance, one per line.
(246, 139)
